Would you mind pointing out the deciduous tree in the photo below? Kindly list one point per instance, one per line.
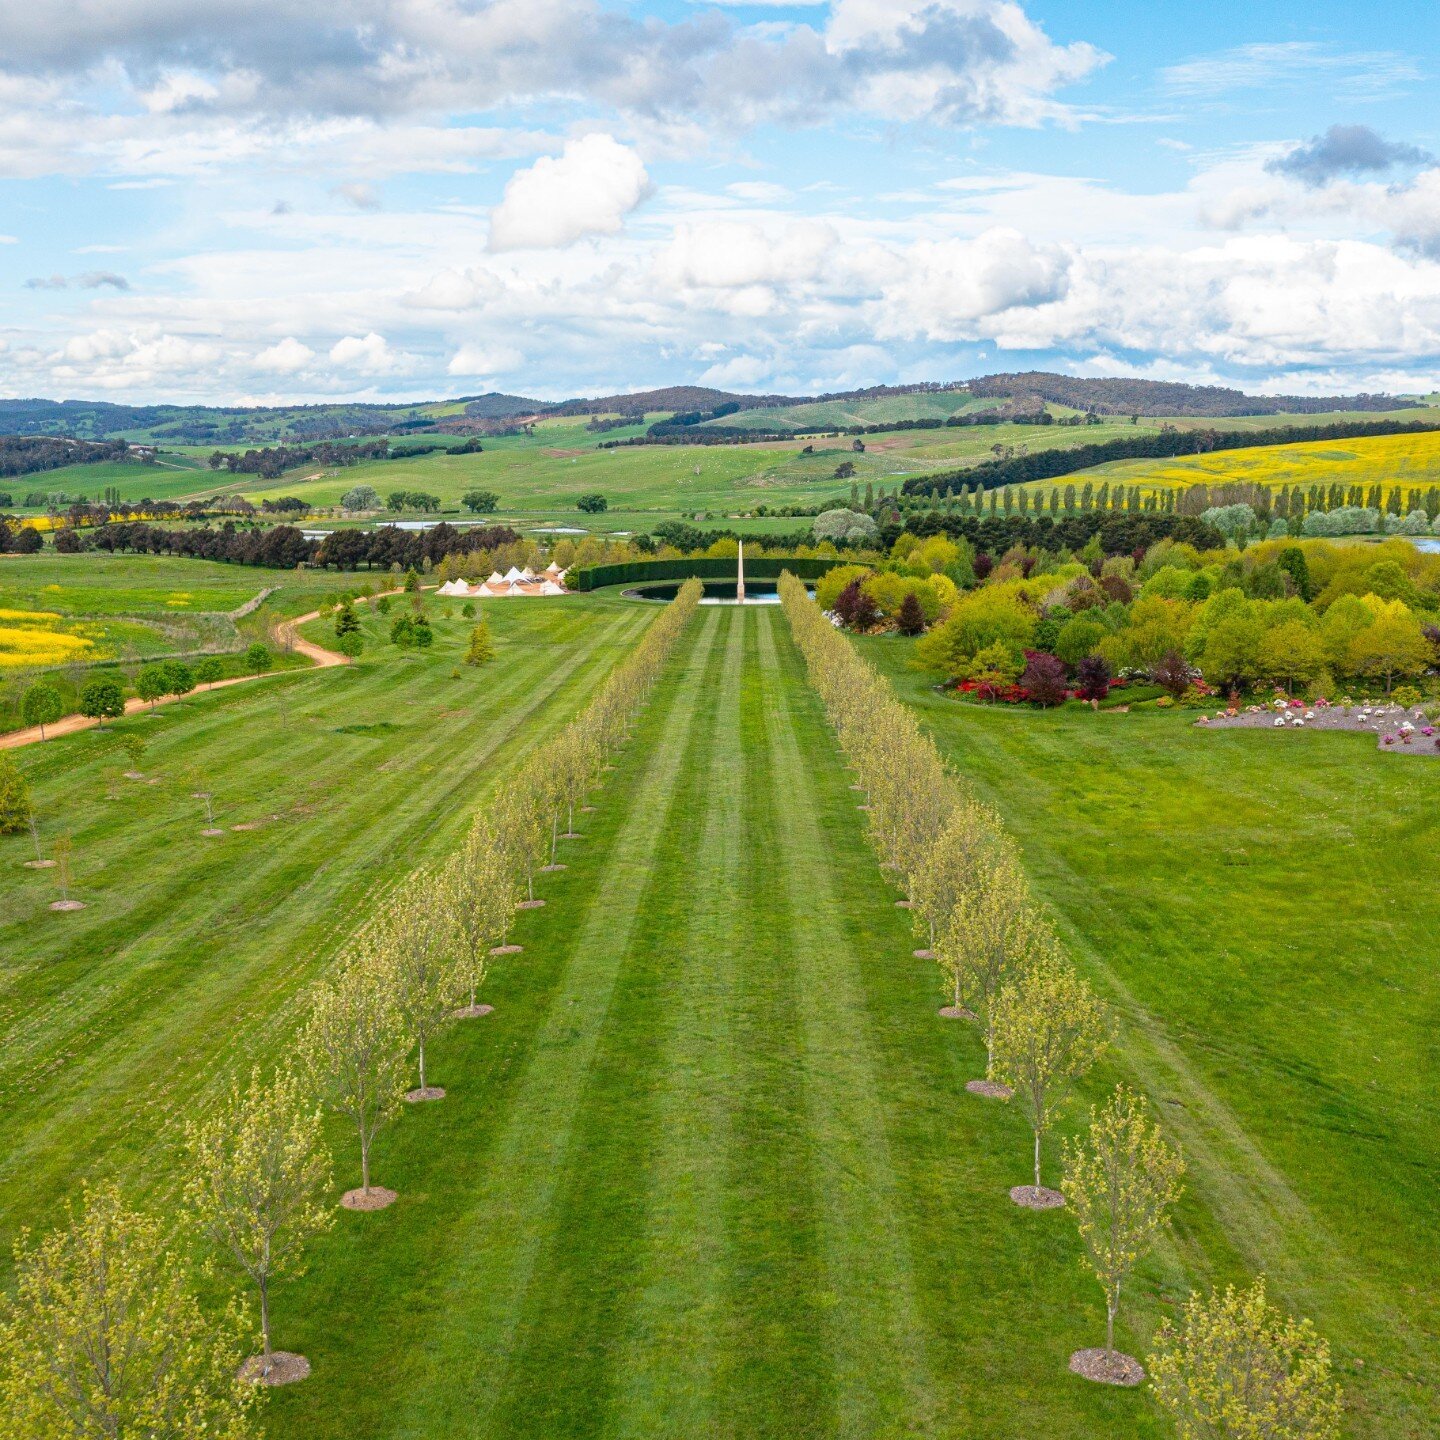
(41, 705)
(412, 936)
(102, 699)
(258, 1176)
(1234, 1367)
(104, 1337)
(1049, 1029)
(1121, 1180)
(16, 806)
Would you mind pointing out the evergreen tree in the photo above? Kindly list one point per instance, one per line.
(16, 807)
(482, 648)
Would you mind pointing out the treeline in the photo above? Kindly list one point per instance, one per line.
(30, 454)
(1120, 533)
(1122, 396)
(274, 460)
(282, 547)
(1165, 444)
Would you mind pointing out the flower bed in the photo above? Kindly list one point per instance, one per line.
(1396, 729)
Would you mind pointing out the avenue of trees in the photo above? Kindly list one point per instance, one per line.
(1232, 1365)
(103, 1334)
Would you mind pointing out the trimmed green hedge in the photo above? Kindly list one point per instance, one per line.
(634, 572)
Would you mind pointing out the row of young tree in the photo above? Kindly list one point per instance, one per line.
(104, 1333)
(1232, 1358)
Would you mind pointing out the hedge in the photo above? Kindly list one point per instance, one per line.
(767, 567)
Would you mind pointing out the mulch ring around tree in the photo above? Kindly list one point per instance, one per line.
(67, 904)
(989, 1089)
(956, 1012)
(376, 1198)
(424, 1093)
(904, 904)
(506, 949)
(923, 954)
(529, 904)
(285, 1368)
(551, 869)
(1107, 1369)
(213, 831)
(40, 864)
(1037, 1197)
(473, 1012)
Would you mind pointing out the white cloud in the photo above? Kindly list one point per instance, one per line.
(725, 254)
(369, 354)
(9, 240)
(361, 196)
(741, 370)
(479, 361)
(286, 357)
(587, 190)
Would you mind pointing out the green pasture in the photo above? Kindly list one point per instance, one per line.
(710, 1169)
(1247, 901)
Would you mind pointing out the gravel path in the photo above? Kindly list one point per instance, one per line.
(1395, 728)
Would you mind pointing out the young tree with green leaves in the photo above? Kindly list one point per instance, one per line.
(208, 671)
(102, 699)
(258, 1176)
(482, 648)
(1234, 1367)
(1049, 1029)
(1121, 1180)
(104, 1337)
(412, 936)
(134, 745)
(41, 705)
(16, 807)
(152, 683)
(354, 1053)
(479, 893)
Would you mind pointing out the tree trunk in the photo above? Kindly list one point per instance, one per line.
(265, 1324)
(1037, 1159)
(364, 1162)
(554, 835)
(422, 1062)
(1111, 1305)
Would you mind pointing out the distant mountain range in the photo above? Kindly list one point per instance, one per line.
(231, 425)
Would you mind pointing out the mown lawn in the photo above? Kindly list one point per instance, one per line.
(1255, 905)
(710, 1169)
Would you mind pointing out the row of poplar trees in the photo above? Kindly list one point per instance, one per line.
(1232, 1361)
(104, 1335)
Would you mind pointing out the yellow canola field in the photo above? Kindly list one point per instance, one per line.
(34, 637)
(1406, 460)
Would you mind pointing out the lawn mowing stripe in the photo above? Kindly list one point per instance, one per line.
(131, 1059)
(578, 1312)
(777, 1379)
(878, 1340)
(511, 1220)
(666, 1369)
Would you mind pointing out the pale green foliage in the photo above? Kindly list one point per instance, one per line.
(1120, 1180)
(104, 1338)
(964, 848)
(1234, 1367)
(16, 807)
(258, 1175)
(413, 939)
(994, 931)
(482, 648)
(355, 1047)
(478, 891)
(1049, 1029)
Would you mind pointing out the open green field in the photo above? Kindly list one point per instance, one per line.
(710, 1169)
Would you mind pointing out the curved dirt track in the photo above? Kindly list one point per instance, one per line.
(289, 633)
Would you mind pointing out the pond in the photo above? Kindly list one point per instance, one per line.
(1431, 547)
(717, 592)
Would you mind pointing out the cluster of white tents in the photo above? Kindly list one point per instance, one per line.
(513, 582)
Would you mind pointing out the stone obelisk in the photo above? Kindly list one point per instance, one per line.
(740, 577)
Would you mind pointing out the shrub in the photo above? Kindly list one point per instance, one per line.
(1044, 678)
(1078, 638)
(844, 525)
(350, 644)
(1171, 674)
(1406, 695)
(402, 632)
(911, 620)
(1093, 677)
(15, 807)
(360, 497)
(468, 609)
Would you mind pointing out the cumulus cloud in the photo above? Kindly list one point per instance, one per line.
(951, 61)
(285, 357)
(589, 189)
(369, 354)
(720, 254)
(479, 361)
(1345, 150)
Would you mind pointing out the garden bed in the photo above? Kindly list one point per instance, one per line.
(1406, 731)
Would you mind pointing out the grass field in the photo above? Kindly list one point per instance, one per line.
(709, 1169)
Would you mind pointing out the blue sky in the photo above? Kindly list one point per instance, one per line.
(253, 200)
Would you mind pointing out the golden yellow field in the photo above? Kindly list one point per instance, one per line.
(1412, 461)
(41, 637)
